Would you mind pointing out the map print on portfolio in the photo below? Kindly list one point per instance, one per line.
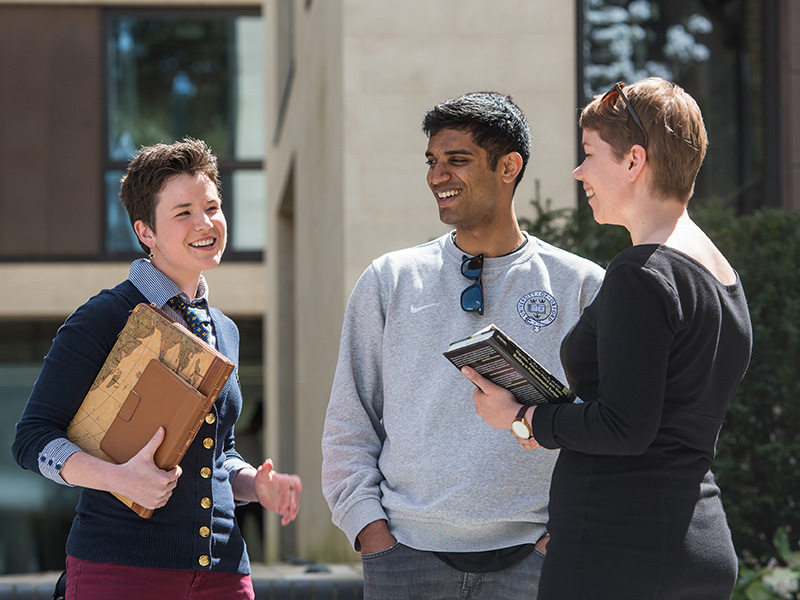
(148, 334)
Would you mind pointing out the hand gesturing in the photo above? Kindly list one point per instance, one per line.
(278, 492)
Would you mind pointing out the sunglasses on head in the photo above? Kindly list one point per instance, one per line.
(472, 296)
(610, 98)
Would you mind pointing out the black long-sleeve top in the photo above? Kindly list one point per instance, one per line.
(656, 358)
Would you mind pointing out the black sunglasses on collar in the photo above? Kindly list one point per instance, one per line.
(610, 98)
(472, 296)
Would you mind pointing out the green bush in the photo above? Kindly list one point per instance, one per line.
(779, 579)
(758, 452)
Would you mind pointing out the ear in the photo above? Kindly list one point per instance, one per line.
(637, 159)
(144, 233)
(510, 166)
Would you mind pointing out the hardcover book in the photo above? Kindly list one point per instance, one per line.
(495, 356)
(149, 335)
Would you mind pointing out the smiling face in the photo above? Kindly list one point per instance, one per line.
(603, 178)
(190, 231)
(467, 191)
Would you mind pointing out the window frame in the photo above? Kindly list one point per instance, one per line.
(227, 166)
(771, 84)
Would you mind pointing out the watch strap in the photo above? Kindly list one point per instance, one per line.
(521, 419)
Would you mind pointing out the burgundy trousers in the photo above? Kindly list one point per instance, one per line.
(87, 580)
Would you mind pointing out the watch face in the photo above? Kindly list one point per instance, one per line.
(521, 430)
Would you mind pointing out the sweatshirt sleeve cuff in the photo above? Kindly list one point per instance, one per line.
(53, 457)
(358, 517)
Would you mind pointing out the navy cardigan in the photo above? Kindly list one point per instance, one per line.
(197, 528)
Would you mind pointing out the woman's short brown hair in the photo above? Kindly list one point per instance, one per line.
(156, 165)
(676, 134)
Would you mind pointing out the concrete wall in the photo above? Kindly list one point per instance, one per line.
(351, 151)
(400, 59)
(54, 290)
(305, 258)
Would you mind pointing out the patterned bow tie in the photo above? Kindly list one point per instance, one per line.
(197, 318)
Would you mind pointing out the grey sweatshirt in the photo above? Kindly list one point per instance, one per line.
(402, 440)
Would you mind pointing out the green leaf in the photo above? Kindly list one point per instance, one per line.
(758, 592)
(781, 542)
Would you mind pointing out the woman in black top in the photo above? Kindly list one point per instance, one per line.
(635, 512)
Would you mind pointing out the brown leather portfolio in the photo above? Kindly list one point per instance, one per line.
(149, 336)
(159, 399)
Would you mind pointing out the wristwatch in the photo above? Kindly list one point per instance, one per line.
(520, 427)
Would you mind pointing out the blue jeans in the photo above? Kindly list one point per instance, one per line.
(402, 573)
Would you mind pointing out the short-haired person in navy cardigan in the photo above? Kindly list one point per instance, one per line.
(191, 546)
(656, 358)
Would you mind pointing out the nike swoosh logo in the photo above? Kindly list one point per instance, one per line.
(416, 309)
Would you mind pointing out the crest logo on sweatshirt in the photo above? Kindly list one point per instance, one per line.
(538, 309)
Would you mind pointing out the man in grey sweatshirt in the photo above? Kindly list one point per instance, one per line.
(439, 505)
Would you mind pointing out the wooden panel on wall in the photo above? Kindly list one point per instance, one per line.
(50, 131)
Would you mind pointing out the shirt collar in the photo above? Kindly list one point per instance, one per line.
(157, 288)
(452, 248)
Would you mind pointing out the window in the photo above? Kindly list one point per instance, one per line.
(711, 49)
(172, 75)
(35, 513)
